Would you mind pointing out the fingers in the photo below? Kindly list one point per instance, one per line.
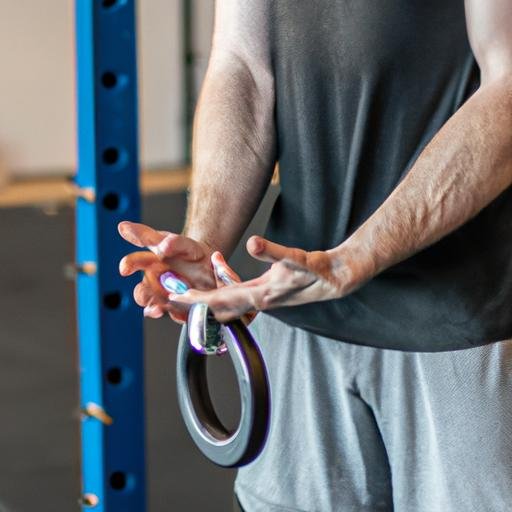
(149, 293)
(178, 317)
(153, 312)
(285, 284)
(227, 303)
(136, 261)
(145, 261)
(144, 296)
(162, 243)
(224, 274)
(174, 245)
(140, 234)
(227, 307)
(265, 250)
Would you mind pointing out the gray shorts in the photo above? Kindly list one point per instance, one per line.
(358, 429)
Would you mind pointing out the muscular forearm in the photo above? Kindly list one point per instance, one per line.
(233, 151)
(465, 167)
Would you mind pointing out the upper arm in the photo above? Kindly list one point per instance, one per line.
(490, 33)
(241, 29)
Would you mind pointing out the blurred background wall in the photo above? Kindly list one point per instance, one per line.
(37, 111)
(39, 394)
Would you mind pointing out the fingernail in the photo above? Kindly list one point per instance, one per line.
(223, 274)
(217, 257)
(257, 245)
(172, 283)
(155, 249)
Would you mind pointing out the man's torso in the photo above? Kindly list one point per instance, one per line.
(361, 87)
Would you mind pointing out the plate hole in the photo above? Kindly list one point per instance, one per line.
(224, 390)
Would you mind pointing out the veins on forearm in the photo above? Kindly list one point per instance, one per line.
(465, 167)
(233, 152)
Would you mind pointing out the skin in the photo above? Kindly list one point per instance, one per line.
(465, 167)
(233, 143)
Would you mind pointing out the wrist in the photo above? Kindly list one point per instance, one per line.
(353, 265)
(199, 235)
(218, 236)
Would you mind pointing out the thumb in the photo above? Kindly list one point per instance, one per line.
(224, 274)
(140, 235)
(265, 250)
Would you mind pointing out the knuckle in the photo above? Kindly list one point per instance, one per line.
(179, 318)
(297, 278)
(166, 246)
(140, 296)
(282, 270)
(260, 302)
(225, 317)
(217, 305)
(299, 256)
(319, 261)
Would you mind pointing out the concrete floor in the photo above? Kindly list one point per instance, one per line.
(39, 436)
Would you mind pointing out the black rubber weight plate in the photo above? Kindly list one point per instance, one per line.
(225, 448)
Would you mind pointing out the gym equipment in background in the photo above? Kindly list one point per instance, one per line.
(109, 322)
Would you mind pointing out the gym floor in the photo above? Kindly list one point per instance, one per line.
(39, 433)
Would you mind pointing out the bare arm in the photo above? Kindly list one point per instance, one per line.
(464, 168)
(234, 133)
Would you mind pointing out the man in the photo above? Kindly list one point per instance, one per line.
(388, 323)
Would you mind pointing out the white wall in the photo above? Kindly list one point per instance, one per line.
(37, 112)
(36, 84)
(161, 82)
(203, 26)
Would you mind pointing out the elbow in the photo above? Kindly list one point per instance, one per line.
(496, 85)
(495, 67)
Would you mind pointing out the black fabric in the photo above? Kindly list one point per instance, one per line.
(362, 86)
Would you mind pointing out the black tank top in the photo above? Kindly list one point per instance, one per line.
(362, 86)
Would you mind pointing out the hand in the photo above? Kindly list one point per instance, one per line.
(187, 258)
(295, 277)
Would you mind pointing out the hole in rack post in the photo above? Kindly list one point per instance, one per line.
(114, 375)
(111, 201)
(117, 480)
(112, 300)
(109, 79)
(108, 3)
(110, 156)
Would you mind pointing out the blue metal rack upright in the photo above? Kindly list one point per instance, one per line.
(109, 323)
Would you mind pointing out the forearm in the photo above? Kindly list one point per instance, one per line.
(233, 152)
(465, 167)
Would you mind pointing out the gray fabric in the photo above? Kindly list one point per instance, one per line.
(236, 505)
(359, 429)
(361, 88)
